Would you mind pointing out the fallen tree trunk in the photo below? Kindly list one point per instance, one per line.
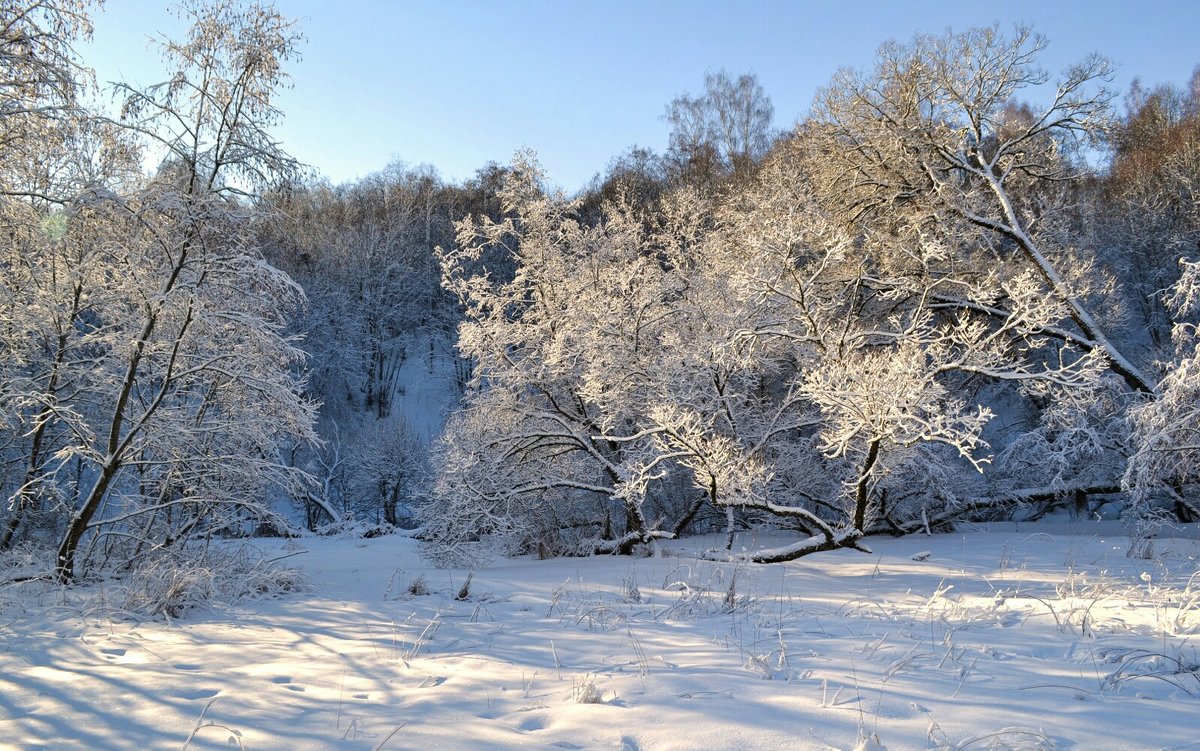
(851, 537)
(1005, 502)
(624, 545)
(846, 538)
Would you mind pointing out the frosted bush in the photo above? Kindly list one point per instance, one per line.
(173, 583)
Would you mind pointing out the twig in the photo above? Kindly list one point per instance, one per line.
(389, 736)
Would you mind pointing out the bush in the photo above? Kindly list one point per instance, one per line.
(175, 582)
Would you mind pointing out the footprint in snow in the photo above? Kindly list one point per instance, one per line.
(191, 694)
(187, 666)
(112, 652)
(286, 682)
(531, 724)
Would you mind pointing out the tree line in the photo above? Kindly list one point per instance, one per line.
(929, 300)
(926, 302)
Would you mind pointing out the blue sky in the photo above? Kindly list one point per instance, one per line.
(457, 84)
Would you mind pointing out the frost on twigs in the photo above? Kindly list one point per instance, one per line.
(823, 346)
(1005, 739)
(585, 691)
(1164, 471)
(1179, 668)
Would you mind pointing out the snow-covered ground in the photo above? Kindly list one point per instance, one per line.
(1003, 638)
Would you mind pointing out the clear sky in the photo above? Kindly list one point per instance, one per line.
(456, 84)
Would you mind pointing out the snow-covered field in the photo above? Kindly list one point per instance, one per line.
(1007, 638)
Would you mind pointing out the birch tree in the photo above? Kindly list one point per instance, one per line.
(203, 388)
(725, 130)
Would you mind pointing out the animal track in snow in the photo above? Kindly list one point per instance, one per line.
(192, 694)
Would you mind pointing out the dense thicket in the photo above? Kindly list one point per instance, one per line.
(926, 302)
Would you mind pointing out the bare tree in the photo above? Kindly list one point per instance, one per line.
(728, 127)
(1149, 215)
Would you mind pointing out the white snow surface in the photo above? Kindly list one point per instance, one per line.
(1005, 637)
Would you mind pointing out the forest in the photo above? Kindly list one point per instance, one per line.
(960, 288)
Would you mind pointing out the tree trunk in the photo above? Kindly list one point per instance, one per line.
(1079, 314)
(65, 562)
(690, 514)
(118, 439)
(861, 493)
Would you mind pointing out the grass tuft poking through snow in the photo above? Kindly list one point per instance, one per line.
(169, 585)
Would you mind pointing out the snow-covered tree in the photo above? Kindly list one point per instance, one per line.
(1167, 430)
(864, 368)
(782, 363)
(364, 253)
(195, 388)
(564, 354)
(928, 146)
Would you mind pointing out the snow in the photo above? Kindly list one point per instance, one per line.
(427, 392)
(1002, 637)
